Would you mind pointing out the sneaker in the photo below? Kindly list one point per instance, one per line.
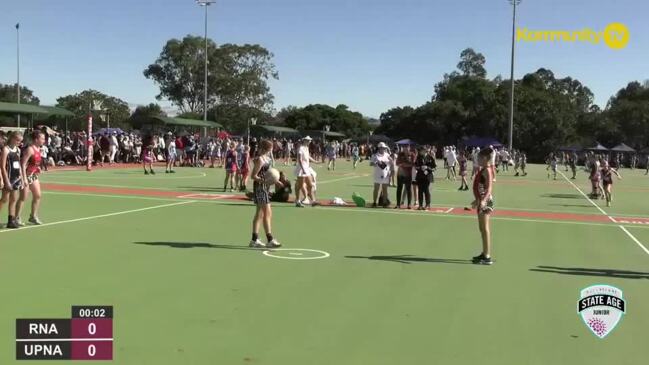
(256, 244)
(35, 221)
(306, 201)
(482, 260)
(166, 171)
(12, 225)
(19, 222)
(172, 172)
(299, 204)
(146, 172)
(274, 244)
(152, 172)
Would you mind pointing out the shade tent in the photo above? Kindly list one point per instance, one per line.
(569, 149)
(273, 130)
(406, 142)
(481, 142)
(623, 148)
(33, 109)
(186, 122)
(597, 147)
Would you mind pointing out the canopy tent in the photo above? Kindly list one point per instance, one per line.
(109, 131)
(186, 122)
(569, 149)
(597, 147)
(34, 109)
(325, 134)
(623, 148)
(273, 130)
(481, 142)
(406, 142)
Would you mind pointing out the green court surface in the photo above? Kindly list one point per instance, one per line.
(395, 287)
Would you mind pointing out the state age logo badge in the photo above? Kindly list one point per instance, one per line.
(601, 307)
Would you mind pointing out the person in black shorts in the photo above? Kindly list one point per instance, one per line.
(12, 176)
(261, 198)
(483, 203)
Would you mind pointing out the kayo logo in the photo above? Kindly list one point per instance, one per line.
(615, 35)
(601, 307)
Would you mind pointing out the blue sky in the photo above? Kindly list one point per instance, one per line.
(370, 55)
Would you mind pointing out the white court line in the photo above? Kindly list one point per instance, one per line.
(111, 196)
(342, 179)
(643, 247)
(45, 181)
(98, 216)
(449, 210)
(63, 339)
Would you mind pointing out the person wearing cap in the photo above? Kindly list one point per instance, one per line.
(303, 172)
(382, 162)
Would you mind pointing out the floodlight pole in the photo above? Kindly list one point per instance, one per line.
(18, 68)
(511, 99)
(205, 4)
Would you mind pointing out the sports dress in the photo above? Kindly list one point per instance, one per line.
(260, 190)
(13, 169)
(34, 165)
(480, 189)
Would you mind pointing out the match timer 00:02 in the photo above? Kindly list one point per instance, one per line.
(88, 335)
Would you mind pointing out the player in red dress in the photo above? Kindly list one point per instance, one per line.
(31, 165)
(482, 189)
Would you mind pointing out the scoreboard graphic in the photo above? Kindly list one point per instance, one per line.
(87, 335)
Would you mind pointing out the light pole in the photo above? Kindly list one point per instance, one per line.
(18, 68)
(511, 99)
(251, 121)
(206, 4)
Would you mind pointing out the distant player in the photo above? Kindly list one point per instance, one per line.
(12, 176)
(30, 163)
(230, 167)
(553, 162)
(607, 180)
(483, 203)
(572, 162)
(171, 156)
(148, 146)
(332, 155)
(463, 171)
(356, 156)
(261, 198)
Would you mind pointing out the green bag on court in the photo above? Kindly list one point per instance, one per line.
(360, 202)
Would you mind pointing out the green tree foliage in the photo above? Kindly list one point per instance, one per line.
(238, 76)
(629, 109)
(143, 113)
(549, 112)
(317, 116)
(79, 104)
(8, 94)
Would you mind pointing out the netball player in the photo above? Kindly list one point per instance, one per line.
(303, 171)
(482, 189)
(245, 168)
(171, 156)
(12, 176)
(261, 198)
(148, 146)
(30, 163)
(230, 167)
(463, 171)
(607, 181)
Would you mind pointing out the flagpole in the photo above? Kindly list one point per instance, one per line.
(18, 67)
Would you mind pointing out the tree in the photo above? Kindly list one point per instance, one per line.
(238, 75)
(116, 109)
(8, 94)
(143, 113)
(314, 117)
(472, 63)
(628, 112)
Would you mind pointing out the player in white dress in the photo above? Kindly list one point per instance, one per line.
(303, 171)
(382, 162)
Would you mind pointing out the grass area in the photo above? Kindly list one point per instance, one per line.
(396, 289)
